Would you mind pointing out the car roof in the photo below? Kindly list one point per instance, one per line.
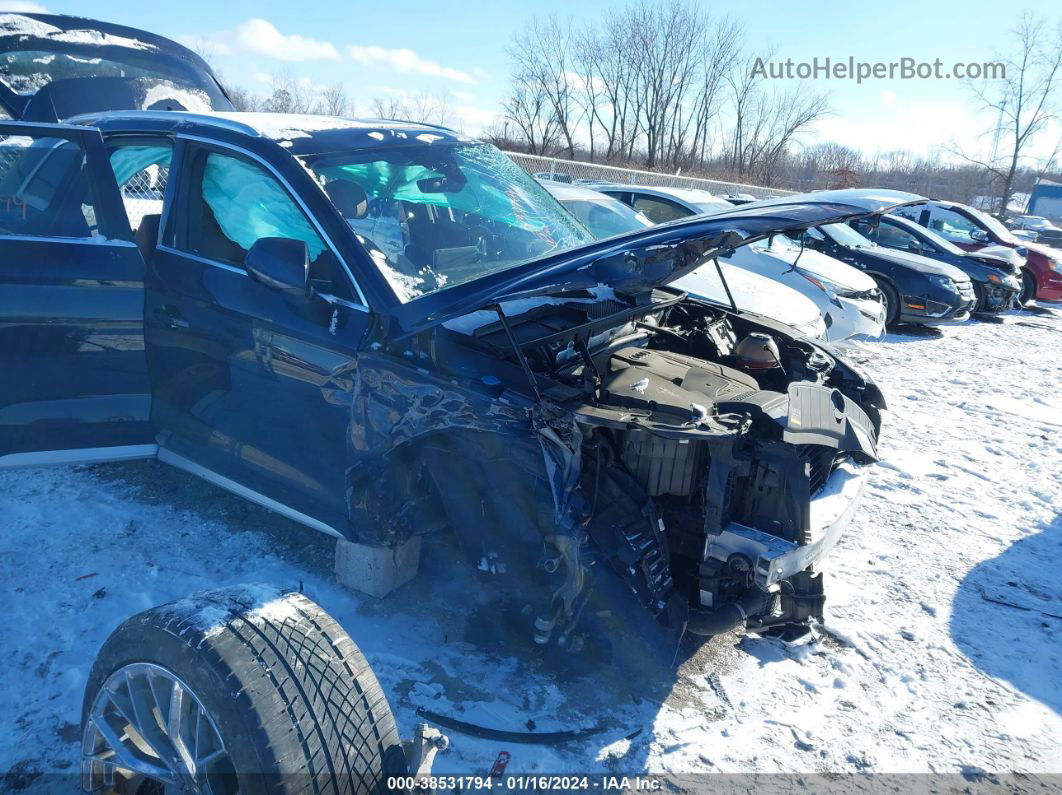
(689, 195)
(299, 133)
(566, 192)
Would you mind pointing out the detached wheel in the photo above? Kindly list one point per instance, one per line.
(891, 299)
(1028, 287)
(241, 690)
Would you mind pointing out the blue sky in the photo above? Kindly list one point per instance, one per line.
(460, 48)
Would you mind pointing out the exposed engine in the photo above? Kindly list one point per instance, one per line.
(680, 439)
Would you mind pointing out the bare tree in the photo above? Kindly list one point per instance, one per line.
(290, 95)
(242, 99)
(543, 54)
(766, 124)
(421, 107)
(532, 115)
(334, 101)
(1023, 102)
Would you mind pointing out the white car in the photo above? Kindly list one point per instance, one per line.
(661, 204)
(847, 298)
(605, 217)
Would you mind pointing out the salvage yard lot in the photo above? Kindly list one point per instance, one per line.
(943, 642)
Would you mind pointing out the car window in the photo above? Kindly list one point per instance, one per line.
(659, 210)
(886, 234)
(44, 190)
(232, 203)
(607, 220)
(952, 226)
(142, 172)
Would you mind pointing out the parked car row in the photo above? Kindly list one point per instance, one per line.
(863, 275)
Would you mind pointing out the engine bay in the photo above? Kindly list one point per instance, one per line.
(665, 420)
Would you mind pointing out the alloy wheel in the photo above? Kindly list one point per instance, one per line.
(148, 732)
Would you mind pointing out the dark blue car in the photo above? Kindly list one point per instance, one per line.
(380, 329)
(996, 278)
(915, 289)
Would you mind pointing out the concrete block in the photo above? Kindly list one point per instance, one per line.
(376, 571)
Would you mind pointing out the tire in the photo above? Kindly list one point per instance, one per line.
(269, 678)
(1028, 288)
(892, 302)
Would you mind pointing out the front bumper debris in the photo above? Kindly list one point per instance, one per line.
(774, 559)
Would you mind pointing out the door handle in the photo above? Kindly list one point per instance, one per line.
(171, 316)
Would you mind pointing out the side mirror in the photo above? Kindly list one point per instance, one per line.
(281, 264)
(980, 235)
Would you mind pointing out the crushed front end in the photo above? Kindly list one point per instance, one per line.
(708, 460)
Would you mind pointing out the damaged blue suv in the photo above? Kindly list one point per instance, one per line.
(380, 328)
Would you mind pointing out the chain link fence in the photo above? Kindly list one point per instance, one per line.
(577, 172)
(142, 193)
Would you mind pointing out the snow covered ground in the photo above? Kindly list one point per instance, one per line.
(942, 650)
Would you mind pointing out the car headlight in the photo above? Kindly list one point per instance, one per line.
(943, 282)
(1052, 263)
(994, 278)
(831, 288)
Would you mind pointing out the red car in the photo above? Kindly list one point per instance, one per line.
(972, 230)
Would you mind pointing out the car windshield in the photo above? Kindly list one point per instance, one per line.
(606, 217)
(844, 235)
(435, 216)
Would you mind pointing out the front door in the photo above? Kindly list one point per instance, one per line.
(252, 388)
(73, 375)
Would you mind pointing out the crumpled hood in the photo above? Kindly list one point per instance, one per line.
(647, 258)
(1000, 257)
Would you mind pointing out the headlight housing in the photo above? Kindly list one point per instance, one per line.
(943, 282)
(831, 288)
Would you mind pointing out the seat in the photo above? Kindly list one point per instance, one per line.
(146, 236)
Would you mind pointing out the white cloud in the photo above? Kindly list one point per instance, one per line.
(920, 127)
(474, 120)
(403, 60)
(22, 7)
(261, 36)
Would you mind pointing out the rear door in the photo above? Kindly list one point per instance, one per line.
(74, 386)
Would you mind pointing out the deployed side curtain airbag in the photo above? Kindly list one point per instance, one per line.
(248, 205)
(130, 160)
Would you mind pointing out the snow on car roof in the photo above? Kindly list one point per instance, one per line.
(22, 25)
(566, 192)
(288, 126)
(291, 130)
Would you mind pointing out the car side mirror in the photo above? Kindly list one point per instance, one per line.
(281, 264)
(979, 235)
